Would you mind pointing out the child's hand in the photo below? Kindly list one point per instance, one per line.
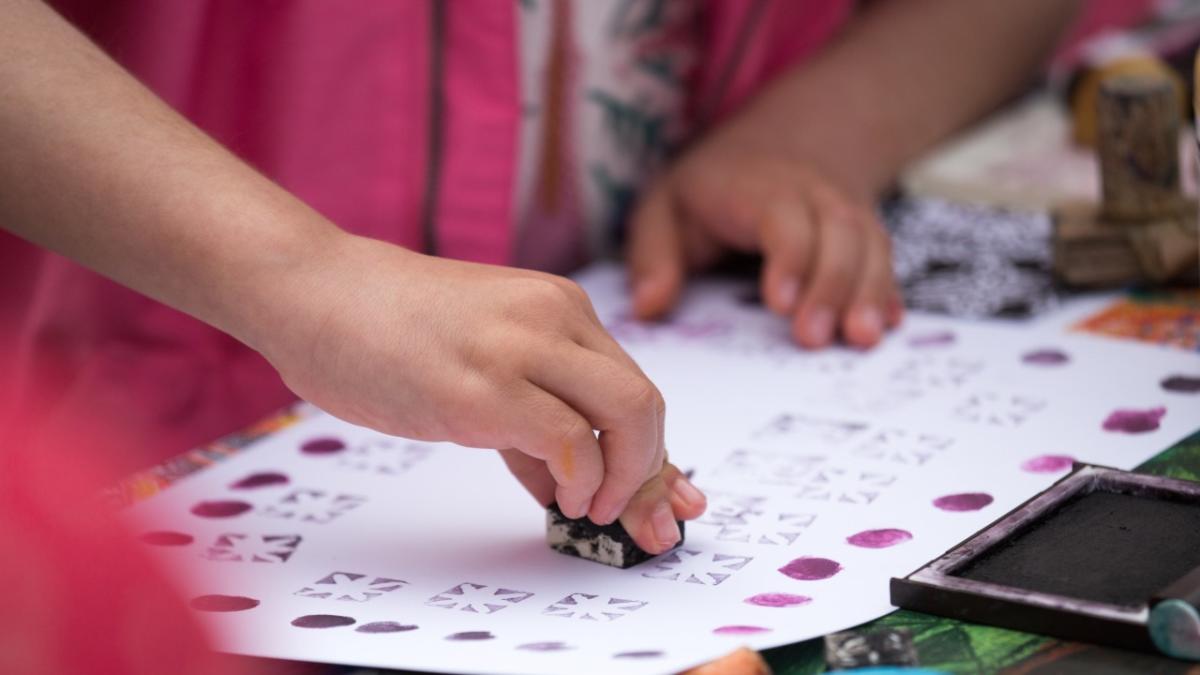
(826, 258)
(486, 357)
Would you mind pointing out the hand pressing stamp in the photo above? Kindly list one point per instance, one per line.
(606, 544)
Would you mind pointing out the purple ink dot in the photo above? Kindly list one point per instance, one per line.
(1181, 384)
(879, 538)
(1045, 357)
(941, 338)
(966, 501)
(257, 480)
(221, 509)
(471, 635)
(642, 654)
(740, 630)
(384, 627)
(223, 603)
(167, 538)
(778, 600)
(811, 569)
(322, 446)
(545, 646)
(322, 621)
(1130, 421)
(1048, 463)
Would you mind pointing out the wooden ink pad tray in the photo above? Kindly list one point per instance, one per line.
(1103, 556)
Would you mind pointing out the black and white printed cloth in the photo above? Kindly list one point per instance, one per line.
(969, 260)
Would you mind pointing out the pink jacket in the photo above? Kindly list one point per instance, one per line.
(336, 102)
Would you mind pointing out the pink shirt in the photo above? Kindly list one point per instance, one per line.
(353, 107)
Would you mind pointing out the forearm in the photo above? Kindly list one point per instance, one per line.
(904, 75)
(94, 166)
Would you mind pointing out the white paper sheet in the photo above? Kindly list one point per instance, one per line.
(799, 453)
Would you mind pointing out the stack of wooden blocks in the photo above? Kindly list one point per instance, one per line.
(1145, 229)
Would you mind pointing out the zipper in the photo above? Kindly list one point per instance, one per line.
(437, 107)
(707, 110)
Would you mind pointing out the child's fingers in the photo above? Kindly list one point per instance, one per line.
(867, 317)
(895, 306)
(532, 473)
(837, 260)
(622, 404)
(687, 501)
(600, 341)
(550, 430)
(650, 518)
(655, 256)
(787, 241)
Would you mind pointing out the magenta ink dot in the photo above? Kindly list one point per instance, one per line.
(1048, 464)
(257, 480)
(642, 654)
(966, 501)
(322, 621)
(1045, 357)
(811, 569)
(545, 646)
(941, 338)
(778, 600)
(384, 627)
(471, 635)
(740, 630)
(879, 538)
(1129, 421)
(221, 509)
(223, 603)
(167, 538)
(322, 446)
(1181, 384)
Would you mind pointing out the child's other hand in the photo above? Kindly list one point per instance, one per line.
(487, 357)
(826, 258)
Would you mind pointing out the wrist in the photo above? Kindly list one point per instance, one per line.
(839, 148)
(301, 302)
(822, 116)
(269, 297)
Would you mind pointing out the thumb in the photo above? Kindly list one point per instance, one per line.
(650, 518)
(787, 235)
(655, 256)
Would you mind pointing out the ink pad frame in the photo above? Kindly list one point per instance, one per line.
(1168, 620)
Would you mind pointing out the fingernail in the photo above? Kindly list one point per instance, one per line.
(819, 326)
(788, 290)
(612, 514)
(688, 493)
(871, 320)
(574, 508)
(662, 521)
